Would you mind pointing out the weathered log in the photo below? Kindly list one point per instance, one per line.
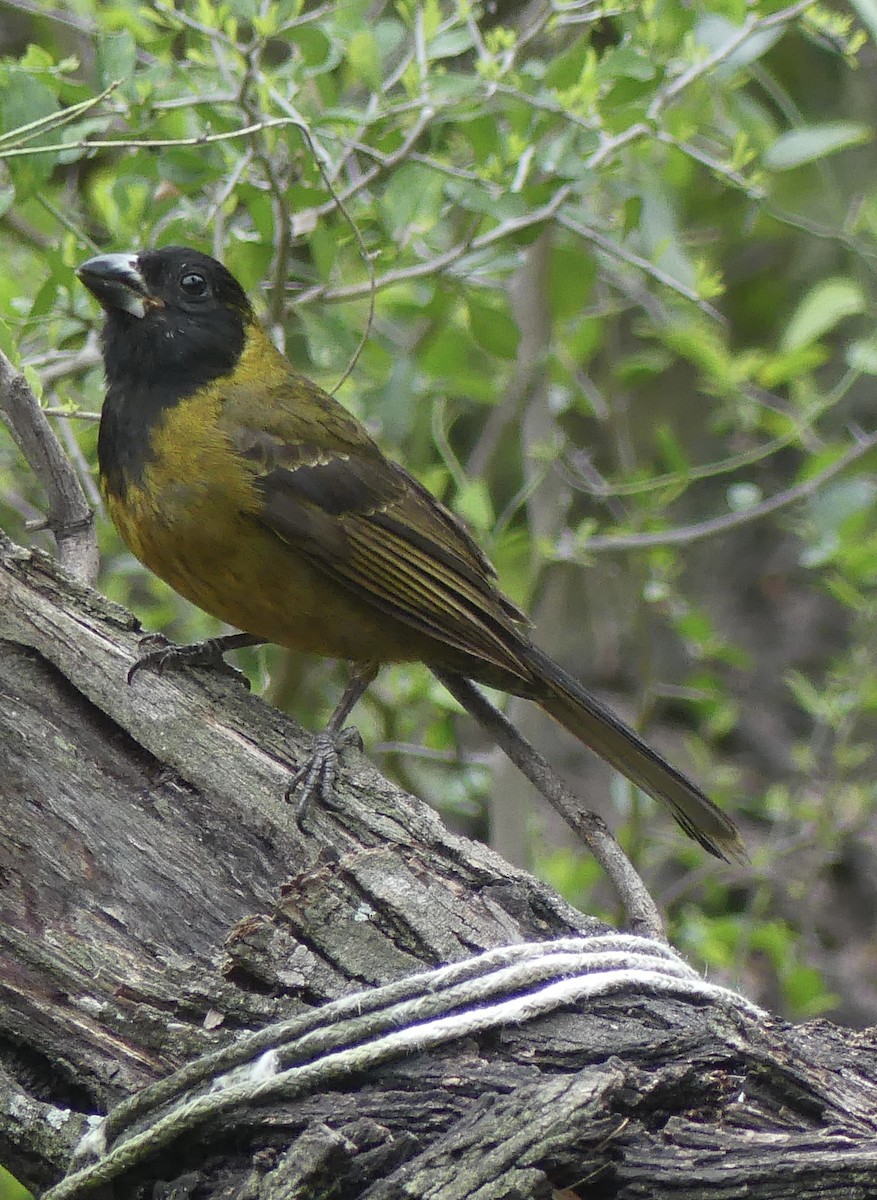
(159, 904)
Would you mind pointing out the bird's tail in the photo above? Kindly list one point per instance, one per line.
(597, 726)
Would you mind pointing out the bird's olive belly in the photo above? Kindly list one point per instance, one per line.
(221, 559)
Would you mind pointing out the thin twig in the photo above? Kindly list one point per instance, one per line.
(442, 261)
(591, 828)
(755, 191)
(81, 465)
(368, 177)
(53, 120)
(70, 414)
(192, 101)
(371, 285)
(686, 534)
(752, 25)
(615, 250)
(583, 475)
(60, 366)
(201, 139)
(70, 517)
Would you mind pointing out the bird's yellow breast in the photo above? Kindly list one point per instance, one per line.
(192, 518)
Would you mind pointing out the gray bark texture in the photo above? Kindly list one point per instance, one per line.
(158, 904)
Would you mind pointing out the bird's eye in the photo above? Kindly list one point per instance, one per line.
(193, 284)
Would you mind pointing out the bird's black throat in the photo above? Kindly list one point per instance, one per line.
(151, 364)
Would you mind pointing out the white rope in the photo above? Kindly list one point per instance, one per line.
(500, 988)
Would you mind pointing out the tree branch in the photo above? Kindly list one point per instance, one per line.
(685, 535)
(71, 518)
(591, 828)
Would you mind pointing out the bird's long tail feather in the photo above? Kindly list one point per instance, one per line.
(599, 728)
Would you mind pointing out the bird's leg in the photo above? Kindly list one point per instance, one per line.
(316, 777)
(197, 654)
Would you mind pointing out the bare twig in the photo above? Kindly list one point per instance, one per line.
(380, 168)
(686, 534)
(752, 25)
(192, 101)
(202, 139)
(313, 14)
(23, 133)
(584, 475)
(55, 366)
(70, 517)
(493, 189)
(442, 261)
(755, 191)
(82, 467)
(70, 414)
(38, 9)
(635, 899)
(615, 250)
(361, 246)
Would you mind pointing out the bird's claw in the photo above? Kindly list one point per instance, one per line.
(195, 654)
(316, 777)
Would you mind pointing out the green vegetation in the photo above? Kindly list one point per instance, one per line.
(10, 1188)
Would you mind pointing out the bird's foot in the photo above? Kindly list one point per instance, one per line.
(164, 655)
(316, 777)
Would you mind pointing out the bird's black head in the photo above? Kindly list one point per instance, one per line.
(175, 317)
(176, 320)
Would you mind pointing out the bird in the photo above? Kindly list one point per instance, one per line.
(257, 496)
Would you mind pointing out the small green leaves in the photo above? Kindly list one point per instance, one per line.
(492, 325)
(25, 103)
(798, 147)
(825, 306)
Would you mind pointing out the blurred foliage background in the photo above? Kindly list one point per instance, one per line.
(621, 260)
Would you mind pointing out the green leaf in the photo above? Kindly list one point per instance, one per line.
(482, 133)
(806, 992)
(45, 299)
(23, 100)
(631, 214)
(672, 449)
(572, 275)
(450, 44)
(249, 262)
(11, 1189)
(412, 198)
(477, 198)
(824, 306)
(640, 367)
(800, 146)
(258, 204)
(317, 51)
(492, 325)
(867, 13)
(626, 62)
(780, 369)
(862, 355)
(189, 167)
(364, 58)
(116, 57)
(715, 31)
(474, 505)
(565, 70)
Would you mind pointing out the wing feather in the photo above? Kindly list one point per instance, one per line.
(375, 530)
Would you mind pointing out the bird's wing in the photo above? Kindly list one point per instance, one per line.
(373, 528)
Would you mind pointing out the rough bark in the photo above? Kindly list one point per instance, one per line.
(157, 900)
